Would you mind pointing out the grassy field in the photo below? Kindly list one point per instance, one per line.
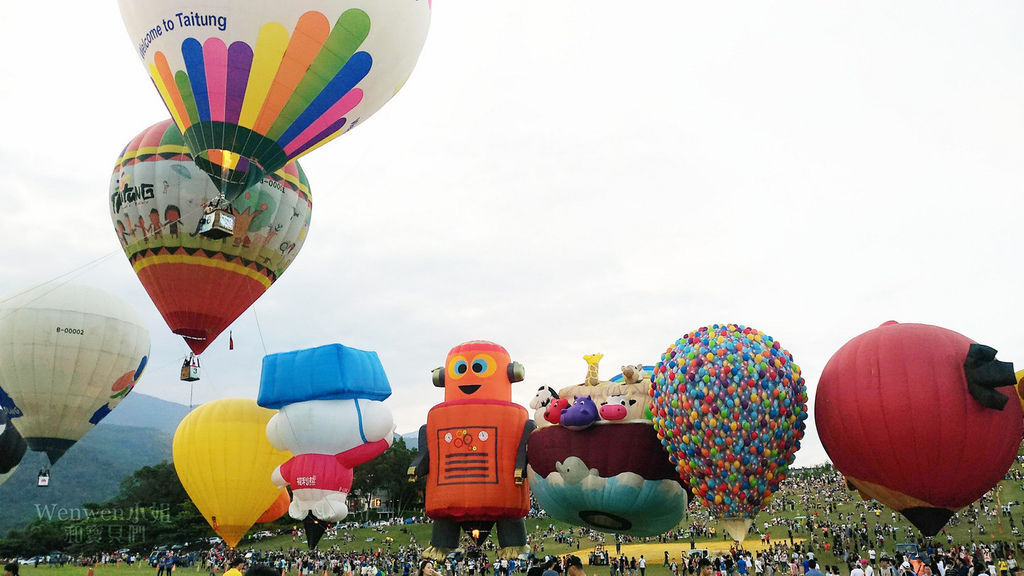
(996, 528)
(369, 539)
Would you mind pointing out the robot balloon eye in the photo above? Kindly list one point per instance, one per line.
(479, 366)
(461, 367)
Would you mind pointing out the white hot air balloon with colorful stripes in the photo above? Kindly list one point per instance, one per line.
(253, 85)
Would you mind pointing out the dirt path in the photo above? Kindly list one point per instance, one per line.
(654, 552)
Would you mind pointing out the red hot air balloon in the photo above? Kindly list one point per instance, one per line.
(909, 414)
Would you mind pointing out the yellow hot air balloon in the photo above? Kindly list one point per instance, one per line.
(224, 461)
(1020, 386)
(278, 509)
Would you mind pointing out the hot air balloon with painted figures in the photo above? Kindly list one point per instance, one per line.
(599, 462)
(224, 461)
(868, 408)
(472, 451)
(255, 85)
(730, 406)
(332, 417)
(69, 354)
(201, 284)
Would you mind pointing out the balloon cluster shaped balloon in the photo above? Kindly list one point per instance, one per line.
(730, 407)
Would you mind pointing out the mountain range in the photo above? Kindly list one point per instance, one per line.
(137, 433)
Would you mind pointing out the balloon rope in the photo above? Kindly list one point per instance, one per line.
(57, 283)
(259, 329)
(999, 502)
(74, 272)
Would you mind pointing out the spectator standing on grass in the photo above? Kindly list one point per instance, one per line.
(812, 568)
(704, 567)
(235, 566)
(536, 567)
(551, 567)
(574, 566)
(262, 570)
(426, 569)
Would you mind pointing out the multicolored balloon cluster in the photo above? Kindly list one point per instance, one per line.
(730, 407)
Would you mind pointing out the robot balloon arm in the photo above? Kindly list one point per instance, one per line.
(421, 465)
(520, 473)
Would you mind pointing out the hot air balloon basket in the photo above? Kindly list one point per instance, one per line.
(190, 370)
(217, 224)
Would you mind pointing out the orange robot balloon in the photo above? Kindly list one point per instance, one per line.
(473, 452)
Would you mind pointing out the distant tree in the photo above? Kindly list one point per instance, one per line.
(39, 538)
(156, 484)
(387, 473)
(151, 508)
(153, 503)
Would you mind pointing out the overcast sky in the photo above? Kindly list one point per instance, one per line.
(567, 177)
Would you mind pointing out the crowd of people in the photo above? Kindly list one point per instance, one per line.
(815, 526)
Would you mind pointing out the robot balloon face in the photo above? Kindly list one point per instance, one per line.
(478, 370)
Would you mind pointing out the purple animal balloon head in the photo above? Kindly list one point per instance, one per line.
(581, 414)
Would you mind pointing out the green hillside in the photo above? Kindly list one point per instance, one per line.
(138, 433)
(142, 411)
(91, 471)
